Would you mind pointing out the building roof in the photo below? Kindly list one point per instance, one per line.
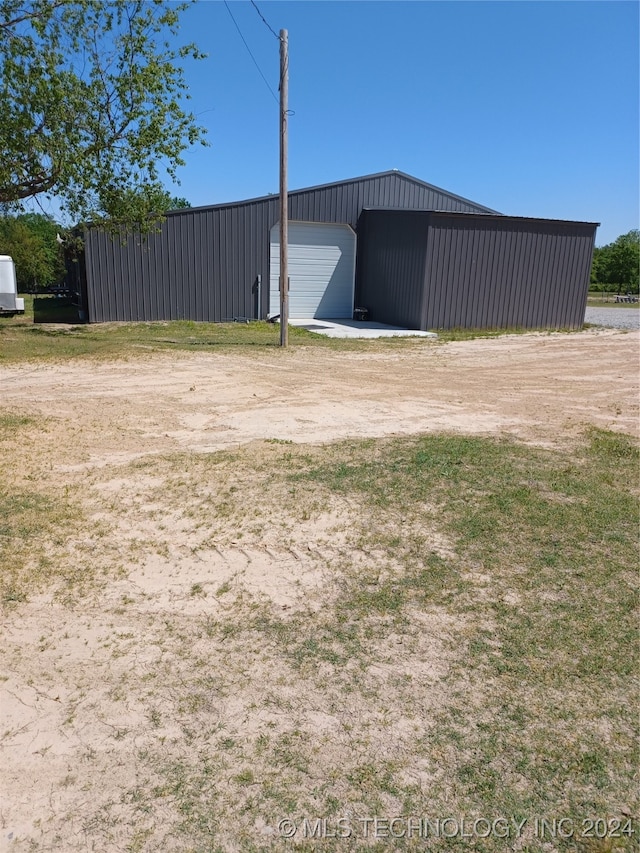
(464, 214)
(375, 175)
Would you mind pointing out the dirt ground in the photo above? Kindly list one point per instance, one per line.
(89, 686)
(535, 387)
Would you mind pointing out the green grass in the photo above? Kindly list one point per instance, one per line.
(23, 340)
(608, 300)
(52, 332)
(35, 527)
(49, 330)
(532, 521)
(446, 335)
(540, 590)
(11, 423)
(38, 521)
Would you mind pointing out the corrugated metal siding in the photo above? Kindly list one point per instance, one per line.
(390, 267)
(474, 271)
(503, 272)
(201, 265)
(204, 262)
(344, 202)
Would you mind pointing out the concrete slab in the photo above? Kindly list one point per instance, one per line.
(357, 329)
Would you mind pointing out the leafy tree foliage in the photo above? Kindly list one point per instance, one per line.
(154, 199)
(178, 203)
(616, 267)
(47, 231)
(31, 240)
(92, 99)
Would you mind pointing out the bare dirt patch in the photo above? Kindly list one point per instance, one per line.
(173, 680)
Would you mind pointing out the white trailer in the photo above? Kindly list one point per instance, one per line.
(10, 302)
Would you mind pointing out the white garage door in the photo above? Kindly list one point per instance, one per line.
(322, 264)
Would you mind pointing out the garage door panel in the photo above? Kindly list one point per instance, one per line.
(321, 270)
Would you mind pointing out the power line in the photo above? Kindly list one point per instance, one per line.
(266, 23)
(275, 97)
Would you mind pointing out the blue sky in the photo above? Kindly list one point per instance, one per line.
(530, 108)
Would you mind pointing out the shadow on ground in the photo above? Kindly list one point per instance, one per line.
(54, 309)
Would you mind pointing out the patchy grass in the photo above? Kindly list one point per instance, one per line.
(447, 335)
(527, 709)
(22, 340)
(36, 527)
(40, 521)
(608, 300)
(11, 423)
(470, 652)
(49, 330)
(543, 583)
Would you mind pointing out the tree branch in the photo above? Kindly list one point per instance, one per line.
(31, 16)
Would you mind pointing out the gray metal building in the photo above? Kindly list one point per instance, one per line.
(437, 270)
(222, 262)
(215, 263)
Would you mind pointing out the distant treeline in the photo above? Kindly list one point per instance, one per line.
(616, 267)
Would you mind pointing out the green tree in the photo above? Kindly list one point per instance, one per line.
(29, 253)
(616, 266)
(623, 263)
(47, 231)
(178, 203)
(154, 199)
(92, 99)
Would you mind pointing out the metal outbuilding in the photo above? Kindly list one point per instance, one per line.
(440, 270)
(214, 263)
(407, 251)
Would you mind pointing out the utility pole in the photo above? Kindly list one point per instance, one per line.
(284, 214)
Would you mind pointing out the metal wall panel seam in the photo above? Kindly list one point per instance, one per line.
(535, 247)
(438, 274)
(452, 236)
(522, 288)
(432, 241)
(561, 285)
(554, 276)
(424, 277)
(484, 247)
(467, 306)
(573, 262)
(573, 309)
(469, 281)
(486, 273)
(524, 294)
(506, 280)
(464, 237)
(554, 282)
(557, 279)
(521, 265)
(451, 239)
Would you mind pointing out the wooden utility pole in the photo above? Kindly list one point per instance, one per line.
(284, 221)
